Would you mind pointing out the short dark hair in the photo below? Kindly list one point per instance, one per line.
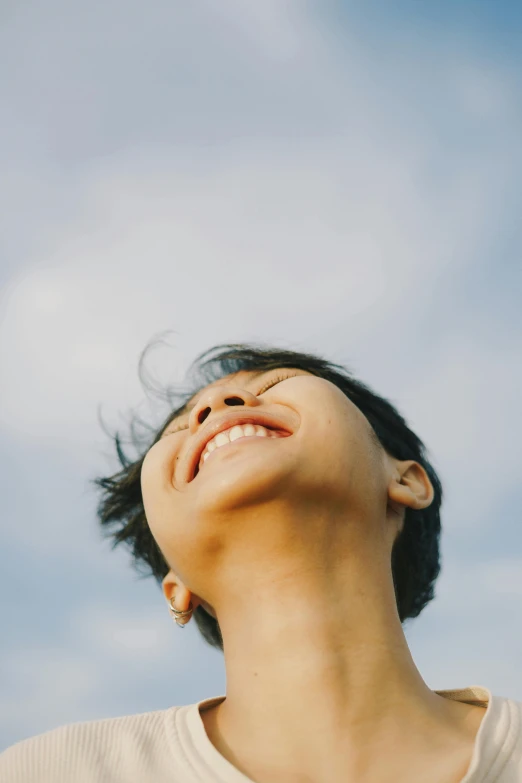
(416, 552)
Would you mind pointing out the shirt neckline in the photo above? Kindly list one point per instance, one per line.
(207, 762)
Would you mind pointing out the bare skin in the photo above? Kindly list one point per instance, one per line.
(288, 543)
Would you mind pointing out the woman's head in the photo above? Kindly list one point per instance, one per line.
(348, 477)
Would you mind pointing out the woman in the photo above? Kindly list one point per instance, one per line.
(291, 512)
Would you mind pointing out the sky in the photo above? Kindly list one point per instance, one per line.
(332, 177)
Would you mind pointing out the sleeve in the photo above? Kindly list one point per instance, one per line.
(27, 761)
(53, 757)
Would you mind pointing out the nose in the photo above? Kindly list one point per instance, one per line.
(215, 401)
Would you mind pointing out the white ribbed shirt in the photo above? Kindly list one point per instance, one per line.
(171, 746)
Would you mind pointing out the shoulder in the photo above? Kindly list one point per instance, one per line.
(89, 751)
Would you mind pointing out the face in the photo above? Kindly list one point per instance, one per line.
(259, 499)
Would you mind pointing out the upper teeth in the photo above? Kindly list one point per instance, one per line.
(233, 433)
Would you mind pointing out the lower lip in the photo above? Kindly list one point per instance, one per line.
(233, 443)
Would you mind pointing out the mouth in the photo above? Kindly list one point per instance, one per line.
(277, 434)
(282, 424)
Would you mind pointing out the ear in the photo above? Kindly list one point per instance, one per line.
(410, 486)
(173, 587)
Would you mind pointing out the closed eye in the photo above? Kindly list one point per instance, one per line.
(273, 382)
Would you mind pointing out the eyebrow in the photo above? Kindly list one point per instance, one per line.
(188, 406)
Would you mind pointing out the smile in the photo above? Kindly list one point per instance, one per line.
(244, 432)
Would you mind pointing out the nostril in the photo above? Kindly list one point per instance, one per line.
(229, 401)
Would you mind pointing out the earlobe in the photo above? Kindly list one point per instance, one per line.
(178, 598)
(175, 591)
(173, 588)
(181, 596)
(169, 584)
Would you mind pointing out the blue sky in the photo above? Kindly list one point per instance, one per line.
(333, 177)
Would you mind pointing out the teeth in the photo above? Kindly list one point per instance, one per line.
(237, 432)
(221, 439)
(232, 434)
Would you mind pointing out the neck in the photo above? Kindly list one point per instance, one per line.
(320, 679)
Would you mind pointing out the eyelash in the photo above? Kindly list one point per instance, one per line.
(263, 390)
(273, 383)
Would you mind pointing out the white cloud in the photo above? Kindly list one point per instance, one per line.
(465, 405)
(248, 247)
(132, 636)
(275, 28)
(108, 660)
(53, 682)
(471, 633)
(504, 578)
(490, 585)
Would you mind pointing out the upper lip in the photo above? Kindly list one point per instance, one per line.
(268, 420)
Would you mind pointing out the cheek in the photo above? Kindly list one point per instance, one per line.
(166, 511)
(340, 461)
(156, 486)
(158, 465)
(148, 477)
